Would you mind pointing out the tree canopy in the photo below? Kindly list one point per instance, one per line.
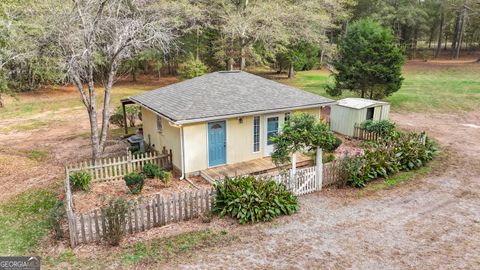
(301, 132)
(369, 62)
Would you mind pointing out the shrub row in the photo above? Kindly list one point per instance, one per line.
(381, 127)
(135, 180)
(387, 156)
(249, 199)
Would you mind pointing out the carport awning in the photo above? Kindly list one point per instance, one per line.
(125, 102)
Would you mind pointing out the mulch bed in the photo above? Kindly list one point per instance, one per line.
(101, 192)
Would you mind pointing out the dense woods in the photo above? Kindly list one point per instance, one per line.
(93, 43)
(285, 35)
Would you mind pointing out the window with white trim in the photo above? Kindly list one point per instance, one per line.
(256, 133)
(159, 124)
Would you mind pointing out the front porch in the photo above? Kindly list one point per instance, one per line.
(252, 167)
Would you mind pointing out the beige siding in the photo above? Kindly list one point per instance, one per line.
(239, 139)
(343, 119)
(168, 138)
(195, 143)
(385, 112)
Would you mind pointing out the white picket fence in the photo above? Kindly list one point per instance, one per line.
(304, 182)
(114, 168)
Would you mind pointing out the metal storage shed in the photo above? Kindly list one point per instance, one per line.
(350, 111)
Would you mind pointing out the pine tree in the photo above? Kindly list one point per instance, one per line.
(369, 63)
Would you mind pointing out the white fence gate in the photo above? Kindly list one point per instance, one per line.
(304, 181)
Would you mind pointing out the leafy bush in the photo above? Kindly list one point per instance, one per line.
(81, 180)
(115, 219)
(381, 127)
(132, 113)
(152, 170)
(403, 152)
(134, 182)
(55, 218)
(334, 145)
(302, 131)
(116, 119)
(192, 68)
(328, 157)
(166, 177)
(249, 199)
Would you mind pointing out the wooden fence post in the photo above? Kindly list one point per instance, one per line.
(319, 169)
(129, 161)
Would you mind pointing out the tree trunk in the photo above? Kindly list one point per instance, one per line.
(1, 101)
(414, 44)
(134, 76)
(322, 54)
(291, 72)
(455, 35)
(242, 53)
(106, 106)
(460, 36)
(197, 44)
(159, 75)
(440, 34)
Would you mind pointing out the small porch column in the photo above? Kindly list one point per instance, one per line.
(319, 169)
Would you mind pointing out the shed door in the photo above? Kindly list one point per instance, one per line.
(370, 112)
(217, 143)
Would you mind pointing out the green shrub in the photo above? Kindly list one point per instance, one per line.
(192, 68)
(81, 180)
(152, 170)
(132, 114)
(387, 156)
(166, 177)
(353, 171)
(381, 127)
(328, 157)
(249, 199)
(116, 119)
(334, 145)
(55, 218)
(115, 219)
(134, 182)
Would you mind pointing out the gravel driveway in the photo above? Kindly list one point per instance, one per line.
(432, 223)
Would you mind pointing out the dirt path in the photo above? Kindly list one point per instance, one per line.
(433, 223)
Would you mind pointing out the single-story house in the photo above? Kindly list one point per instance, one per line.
(220, 118)
(350, 111)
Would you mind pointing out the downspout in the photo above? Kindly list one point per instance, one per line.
(182, 153)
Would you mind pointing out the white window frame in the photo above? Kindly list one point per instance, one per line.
(259, 133)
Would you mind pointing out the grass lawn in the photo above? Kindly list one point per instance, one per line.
(153, 253)
(24, 221)
(427, 87)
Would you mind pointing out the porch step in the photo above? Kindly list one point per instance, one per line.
(207, 177)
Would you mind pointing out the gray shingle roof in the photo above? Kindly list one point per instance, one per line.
(224, 94)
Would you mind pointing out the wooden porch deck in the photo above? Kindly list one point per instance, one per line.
(254, 167)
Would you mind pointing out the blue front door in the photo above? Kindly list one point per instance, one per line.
(217, 143)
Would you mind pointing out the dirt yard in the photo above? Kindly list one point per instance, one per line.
(431, 223)
(43, 131)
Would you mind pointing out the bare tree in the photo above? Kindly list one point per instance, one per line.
(95, 37)
(249, 21)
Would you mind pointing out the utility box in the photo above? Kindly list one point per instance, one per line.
(350, 111)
